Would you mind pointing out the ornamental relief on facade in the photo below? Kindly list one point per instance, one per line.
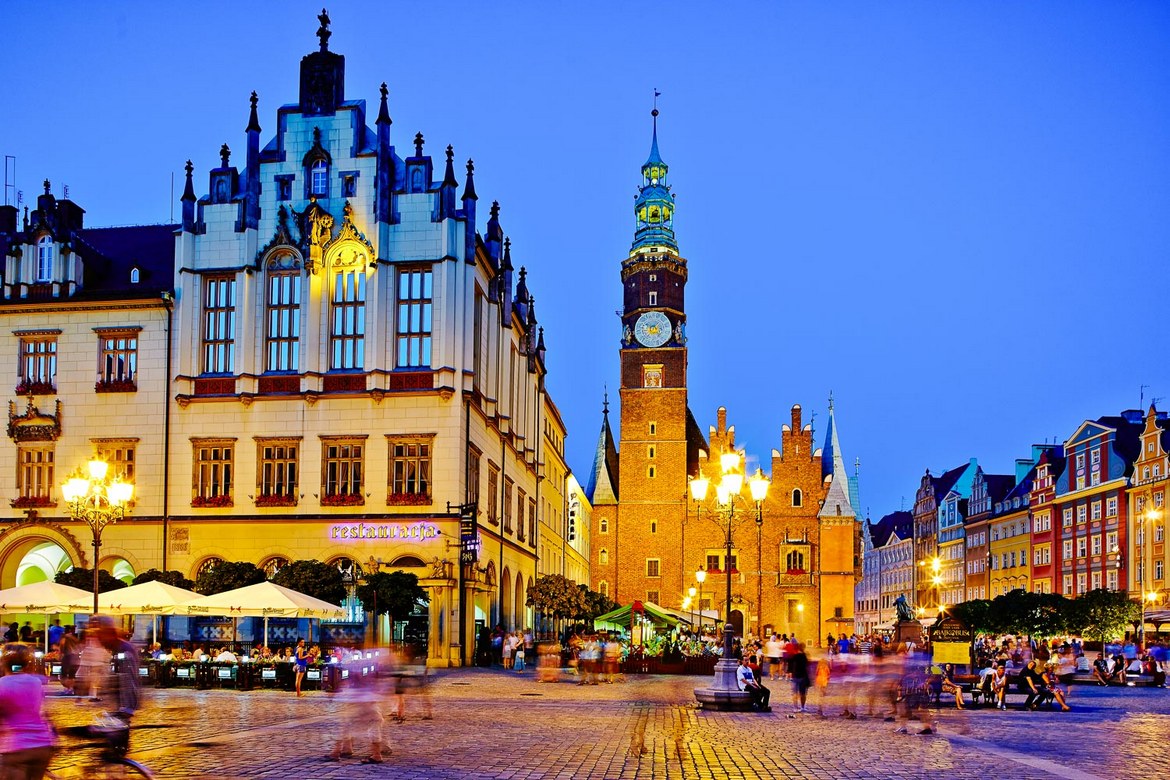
(33, 424)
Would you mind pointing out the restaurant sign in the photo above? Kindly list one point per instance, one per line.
(414, 532)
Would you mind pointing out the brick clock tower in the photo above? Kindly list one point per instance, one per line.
(639, 555)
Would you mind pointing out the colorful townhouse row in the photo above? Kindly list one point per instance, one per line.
(1072, 517)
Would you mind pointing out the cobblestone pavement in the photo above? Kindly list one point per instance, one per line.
(493, 724)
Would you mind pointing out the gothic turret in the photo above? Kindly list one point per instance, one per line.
(384, 183)
(448, 187)
(252, 170)
(188, 201)
(654, 206)
(322, 76)
(469, 198)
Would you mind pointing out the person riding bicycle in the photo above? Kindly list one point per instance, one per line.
(121, 685)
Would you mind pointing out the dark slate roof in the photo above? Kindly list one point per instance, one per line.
(110, 254)
(603, 484)
(696, 441)
(944, 482)
(900, 523)
(1127, 442)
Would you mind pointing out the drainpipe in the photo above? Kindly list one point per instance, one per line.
(169, 302)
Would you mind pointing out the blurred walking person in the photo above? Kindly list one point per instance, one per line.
(26, 737)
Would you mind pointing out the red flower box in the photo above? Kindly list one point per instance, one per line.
(347, 499)
(408, 499)
(116, 386)
(276, 500)
(30, 502)
(27, 387)
(212, 501)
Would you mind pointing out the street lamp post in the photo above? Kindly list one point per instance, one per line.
(98, 500)
(759, 478)
(724, 691)
(701, 577)
(691, 599)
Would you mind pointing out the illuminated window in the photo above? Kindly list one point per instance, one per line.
(283, 329)
(348, 331)
(34, 475)
(652, 567)
(414, 317)
(410, 468)
(473, 458)
(603, 588)
(214, 471)
(493, 502)
(45, 253)
(120, 454)
(342, 472)
(319, 179)
(520, 495)
(118, 359)
(38, 364)
(279, 464)
(508, 504)
(219, 324)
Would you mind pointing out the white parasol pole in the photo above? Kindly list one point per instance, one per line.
(265, 631)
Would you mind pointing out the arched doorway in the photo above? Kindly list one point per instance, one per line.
(120, 569)
(521, 616)
(41, 563)
(506, 600)
(737, 621)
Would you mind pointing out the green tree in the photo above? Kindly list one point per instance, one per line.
(394, 593)
(1102, 614)
(174, 578)
(83, 578)
(313, 578)
(1034, 614)
(556, 596)
(974, 614)
(228, 575)
(595, 604)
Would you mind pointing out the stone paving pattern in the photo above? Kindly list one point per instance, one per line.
(494, 724)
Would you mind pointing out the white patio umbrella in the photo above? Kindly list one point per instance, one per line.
(45, 598)
(148, 598)
(263, 600)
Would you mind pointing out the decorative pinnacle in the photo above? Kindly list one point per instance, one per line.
(383, 110)
(469, 190)
(323, 31)
(47, 186)
(253, 119)
(418, 144)
(224, 154)
(494, 211)
(189, 168)
(449, 173)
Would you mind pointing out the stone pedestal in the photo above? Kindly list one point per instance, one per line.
(723, 693)
(907, 631)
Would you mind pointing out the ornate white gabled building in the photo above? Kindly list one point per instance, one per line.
(350, 363)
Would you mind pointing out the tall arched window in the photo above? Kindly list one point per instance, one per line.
(794, 561)
(797, 497)
(45, 251)
(603, 557)
(347, 336)
(319, 179)
(603, 588)
(283, 327)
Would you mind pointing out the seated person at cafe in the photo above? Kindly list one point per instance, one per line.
(747, 682)
(226, 656)
(1103, 669)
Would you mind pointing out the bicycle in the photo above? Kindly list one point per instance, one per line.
(111, 762)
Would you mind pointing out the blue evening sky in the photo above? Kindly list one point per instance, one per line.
(952, 215)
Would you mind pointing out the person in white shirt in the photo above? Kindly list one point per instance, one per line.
(772, 651)
(748, 682)
(227, 656)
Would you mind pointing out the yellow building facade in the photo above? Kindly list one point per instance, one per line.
(1010, 545)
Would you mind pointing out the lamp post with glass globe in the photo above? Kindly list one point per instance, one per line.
(724, 691)
(98, 500)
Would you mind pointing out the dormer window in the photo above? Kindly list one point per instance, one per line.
(45, 259)
(319, 179)
(134, 276)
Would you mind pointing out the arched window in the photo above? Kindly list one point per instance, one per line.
(319, 179)
(207, 566)
(794, 561)
(134, 276)
(348, 330)
(603, 588)
(797, 497)
(283, 322)
(603, 557)
(273, 565)
(603, 526)
(407, 561)
(45, 250)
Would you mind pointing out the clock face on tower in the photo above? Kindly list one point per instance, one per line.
(652, 329)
